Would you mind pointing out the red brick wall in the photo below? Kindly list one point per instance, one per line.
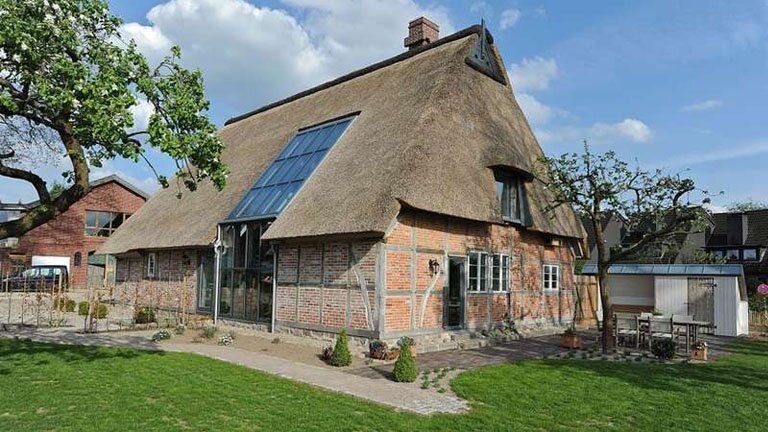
(419, 237)
(65, 235)
(318, 287)
(173, 287)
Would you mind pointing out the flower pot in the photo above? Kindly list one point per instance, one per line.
(572, 341)
(699, 354)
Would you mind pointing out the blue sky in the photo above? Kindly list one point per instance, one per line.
(681, 85)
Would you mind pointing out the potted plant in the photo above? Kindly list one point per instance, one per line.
(699, 351)
(570, 339)
(381, 351)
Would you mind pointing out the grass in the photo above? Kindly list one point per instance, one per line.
(61, 388)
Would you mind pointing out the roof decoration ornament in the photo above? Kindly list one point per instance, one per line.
(481, 57)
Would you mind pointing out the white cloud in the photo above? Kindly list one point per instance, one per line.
(141, 112)
(509, 18)
(251, 55)
(633, 129)
(722, 154)
(540, 11)
(533, 73)
(702, 106)
(535, 111)
(628, 129)
(479, 7)
(714, 208)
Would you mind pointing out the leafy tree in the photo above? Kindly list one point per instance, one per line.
(747, 206)
(68, 82)
(56, 189)
(595, 185)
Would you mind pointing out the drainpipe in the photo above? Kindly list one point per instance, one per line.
(217, 249)
(274, 287)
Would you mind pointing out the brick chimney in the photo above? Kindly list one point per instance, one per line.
(421, 31)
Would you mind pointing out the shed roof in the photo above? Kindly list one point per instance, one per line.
(669, 269)
(429, 129)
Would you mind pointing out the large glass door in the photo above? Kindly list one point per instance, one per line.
(246, 273)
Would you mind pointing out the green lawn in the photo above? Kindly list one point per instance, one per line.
(55, 387)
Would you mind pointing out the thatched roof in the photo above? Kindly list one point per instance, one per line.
(429, 127)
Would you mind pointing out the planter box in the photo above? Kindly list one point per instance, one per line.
(699, 354)
(572, 341)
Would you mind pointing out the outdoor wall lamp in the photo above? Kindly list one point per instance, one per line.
(434, 267)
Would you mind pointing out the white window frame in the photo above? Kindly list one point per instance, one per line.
(503, 272)
(151, 264)
(484, 262)
(550, 281)
(481, 263)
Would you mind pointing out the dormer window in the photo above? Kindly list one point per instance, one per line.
(509, 192)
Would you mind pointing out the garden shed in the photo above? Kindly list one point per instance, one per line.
(713, 292)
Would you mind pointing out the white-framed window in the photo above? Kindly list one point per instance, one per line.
(499, 272)
(478, 271)
(488, 272)
(151, 264)
(551, 277)
(749, 254)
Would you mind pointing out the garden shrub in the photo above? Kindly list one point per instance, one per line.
(70, 305)
(180, 329)
(664, 348)
(84, 306)
(341, 355)
(405, 366)
(144, 315)
(161, 335)
(209, 331)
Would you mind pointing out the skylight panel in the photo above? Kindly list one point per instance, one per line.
(281, 181)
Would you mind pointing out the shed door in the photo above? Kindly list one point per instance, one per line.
(701, 299)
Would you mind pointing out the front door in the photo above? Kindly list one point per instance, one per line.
(454, 307)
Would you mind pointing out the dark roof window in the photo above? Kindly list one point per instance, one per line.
(280, 182)
(510, 191)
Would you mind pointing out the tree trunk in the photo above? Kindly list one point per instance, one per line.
(605, 298)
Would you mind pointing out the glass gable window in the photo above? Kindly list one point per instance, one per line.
(282, 179)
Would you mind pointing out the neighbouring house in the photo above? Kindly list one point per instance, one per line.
(742, 237)
(680, 248)
(73, 237)
(399, 199)
(715, 293)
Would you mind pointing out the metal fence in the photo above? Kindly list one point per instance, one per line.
(121, 306)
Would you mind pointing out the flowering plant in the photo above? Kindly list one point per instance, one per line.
(226, 340)
(161, 335)
(700, 345)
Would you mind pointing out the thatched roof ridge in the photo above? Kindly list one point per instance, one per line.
(429, 127)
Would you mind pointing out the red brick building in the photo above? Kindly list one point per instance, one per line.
(78, 232)
(400, 199)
